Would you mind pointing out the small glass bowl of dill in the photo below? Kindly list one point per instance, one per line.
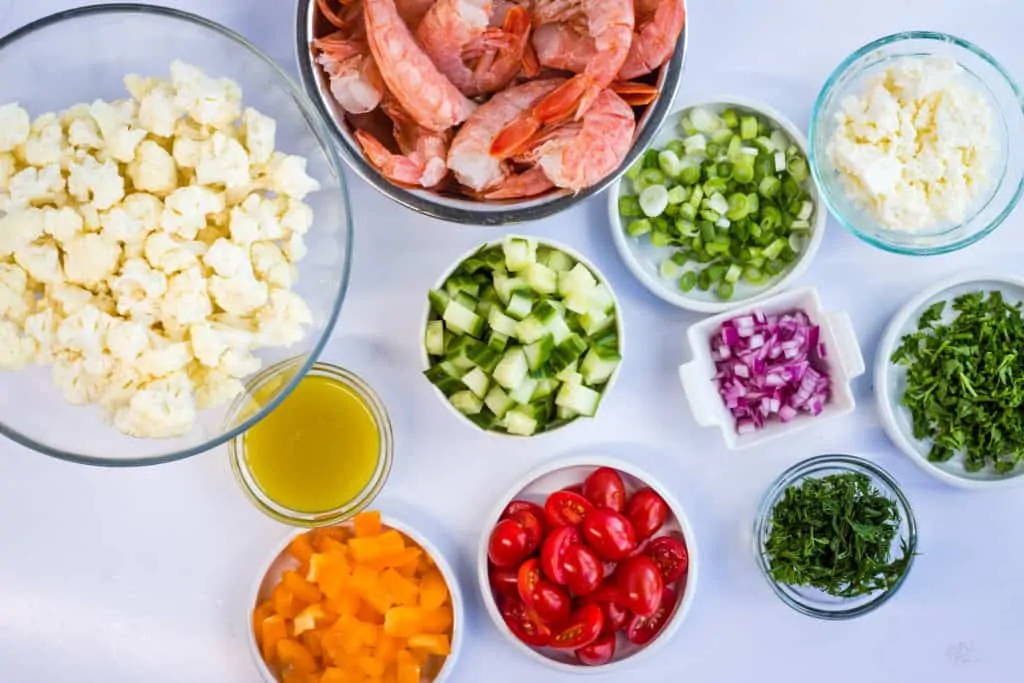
(835, 537)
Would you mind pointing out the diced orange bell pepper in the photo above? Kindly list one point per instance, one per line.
(388, 648)
(378, 600)
(433, 590)
(330, 571)
(409, 670)
(312, 641)
(363, 579)
(370, 614)
(293, 676)
(347, 601)
(300, 588)
(367, 524)
(385, 545)
(371, 666)
(403, 621)
(310, 618)
(322, 534)
(368, 633)
(335, 675)
(273, 630)
(405, 562)
(292, 655)
(431, 644)
(263, 610)
(390, 675)
(301, 547)
(402, 590)
(437, 620)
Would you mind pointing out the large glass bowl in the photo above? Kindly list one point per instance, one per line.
(109, 42)
(990, 208)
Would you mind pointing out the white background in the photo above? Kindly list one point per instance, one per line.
(145, 575)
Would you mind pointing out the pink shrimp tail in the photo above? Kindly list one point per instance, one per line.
(528, 184)
(410, 171)
(655, 39)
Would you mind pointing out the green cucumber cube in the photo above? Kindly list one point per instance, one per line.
(519, 306)
(512, 368)
(538, 352)
(438, 301)
(434, 338)
(496, 340)
(579, 398)
(567, 352)
(579, 279)
(541, 278)
(519, 423)
(519, 253)
(477, 382)
(498, 402)
(466, 300)
(440, 378)
(594, 322)
(559, 329)
(530, 330)
(466, 402)
(545, 387)
(462, 283)
(559, 261)
(523, 394)
(566, 373)
(500, 322)
(597, 367)
(463, 320)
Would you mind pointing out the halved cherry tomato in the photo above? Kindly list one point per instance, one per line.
(552, 553)
(526, 580)
(509, 544)
(551, 603)
(607, 598)
(639, 582)
(598, 652)
(609, 533)
(647, 511)
(524, 623)
(575, 488)
(583, 569)
(565, 508)
(604, 488)
(519, 505)
(583, 628)
(642, 630)
(670, 554)
(533, 525)
(504, 581)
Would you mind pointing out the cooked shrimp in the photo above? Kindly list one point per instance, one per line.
(422, 162)
(355, 83)
(422, 90)
(659, 23)
(413, 11)
(561, 46)
(610, 25)
(469, 156)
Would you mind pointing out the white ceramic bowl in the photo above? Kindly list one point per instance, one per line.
(842, 354)
(643, 259)
(559, 474)
(890, 379)
(425, 358)
(279, 561)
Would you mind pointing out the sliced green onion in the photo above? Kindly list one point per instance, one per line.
(638, 227)
(703, 281)
(676, 147)
(668, 269)
(769, 187)
(653, 200)
(687, 281)
(748, 127)
(677, 194)
(695, 144)
(704, 121)
(724, 290)
(669, 163)
(733, 274)
(730, 118)
(743, 173)
(797, 168)
(629, 206)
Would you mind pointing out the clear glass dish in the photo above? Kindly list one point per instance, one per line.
(111, 42)
(990, 208)
(269, 381)
(811, 601)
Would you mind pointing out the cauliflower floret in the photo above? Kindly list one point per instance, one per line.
(286, 174)
(186, 209)
(89, 259)
(70, 298)
(145, 208)
(158, 112)
(212, 341)
(80, 381)
(15, 350)
(160, 362)
(62, 224)
(32, 186)
(100, 183)
(187, 300)
(45, 143)
(259, 132)
(41, 260)
(187, 152)
(255, 220)
(84, 134)
(270, 264)
(160, 408)
(170, 254)
(238, 295)
(15, 126)
(19, 228)
(127, 340)
(16, 300)
(84, 331)
(211, 102)
(8, 165)
(297, 217)
(214, 388)
(120, 226)
(140, 86)
(41, 330)
(295, 248)
(228, 260)
(281, 322)
(120, 140)
(138, 289)
(153, 169)
(223, 161)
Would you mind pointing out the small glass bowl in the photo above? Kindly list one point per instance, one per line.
(811, 601)
(266, 381)
(1006, 175)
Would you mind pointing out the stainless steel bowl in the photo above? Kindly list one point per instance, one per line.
(467, 211)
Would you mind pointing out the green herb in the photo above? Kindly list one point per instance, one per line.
(834, 533)
(965, 381)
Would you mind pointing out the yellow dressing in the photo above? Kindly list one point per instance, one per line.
(317, 450)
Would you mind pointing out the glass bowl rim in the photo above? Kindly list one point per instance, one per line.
(365, 498)
(814, 151)
(319, 130)
(799, 471)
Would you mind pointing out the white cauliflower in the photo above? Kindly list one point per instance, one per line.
(214, 388)
(270, 265)
(161, 408)
(15, 126)
(228, 260)
(187, 152)
(15, 351)
(19, 228)
(295, 248)
(70, 298)
(45, 143)
(145, 208)
(211, 102)
(238, 295)
(187, 300)
(101, 184)
(16, 300)
(89, 259)
(286, 174)
(63, 225)
(186, 209)
(281, 321)
(225, 347)
(223, 161)
(138, 290)
(83, 133)
(76, 384)
(8, 166)
(297, 217)
(31, 186)
(120, 139)
(41, 260)
(259, 132)
(41, 331)
(158, 112)
(159, 362)
(120, 226)
(84, 331)
(153, 170)
(255, 220)
(172, 255)
(126, 339)
(140, 86)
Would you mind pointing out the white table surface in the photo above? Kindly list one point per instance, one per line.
(145, 575)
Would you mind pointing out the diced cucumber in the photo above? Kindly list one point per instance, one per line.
(438, 301)
(498, 401)
(597, 366)
(524, 392)
(500, 322)
(519, 423)
(545, 312)
(466, 300)
(485, 420)
(601, 299)
(607, 340)
(567, 352)
(512, 368)
(519, 305)
(447, 384)
(483, 356)
(530, 330)
(594, 322)
(576, 280)
(493, 257)
(538, 352)
(466, 402)
(541, 278)
(566, 373)
(565, 413)
(497, 341)
(519, 253)
(559, 261)
(559, 329)
(462, 283)
(434, 339)
(545, 387)
(477, 381)
(579, 398)
(462, 320)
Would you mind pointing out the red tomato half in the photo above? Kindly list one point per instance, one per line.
(509, 544)
(669, 553)
(639, 582)
(647, 511)
(583, 569)
(524, 623)
(552, 553)
(607, 598)
(642, 630)
(519, 505)
(609, 533)
(575, 488)
(565, 508)
(598, 652)
(527, 579)
(583, 628)
(604, 488)
(504, 582)
(551, 603)
(532, 525)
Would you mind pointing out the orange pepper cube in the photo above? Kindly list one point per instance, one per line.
(335, 675)
(388, 648)
(310, 618)
(367, 549)
(313, 641)
(302, 589)
(263, 610)
(438, 620)
(402, 590)
(284, 601)
(378, 600)
(367, 524)
(409, 670)
(330, 572)
(403, 621)
(431, 644)
(347, 601)
(433, 590)
(292, 655)
(273, 630)
(301, 547)
(371, 666)
(323, 534)
(363, 579)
